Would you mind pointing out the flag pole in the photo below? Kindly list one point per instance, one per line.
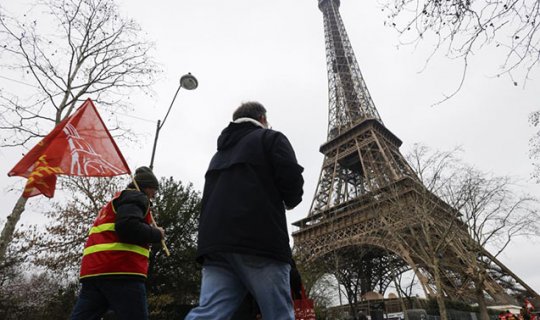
(163, 244)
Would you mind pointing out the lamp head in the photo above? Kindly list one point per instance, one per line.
(189, 82)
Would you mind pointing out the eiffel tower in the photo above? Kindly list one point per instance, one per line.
(370, 203)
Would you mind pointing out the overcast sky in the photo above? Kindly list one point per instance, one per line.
(273, 52)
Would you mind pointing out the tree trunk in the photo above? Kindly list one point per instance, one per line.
(482, 307)
(352, 306)
(484, 315)
(401, 302)
(9, 227)
(478, 278)
(440, 293)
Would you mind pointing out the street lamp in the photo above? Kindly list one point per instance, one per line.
(188, 82)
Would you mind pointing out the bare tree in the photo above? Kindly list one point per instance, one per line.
(492, 207)
(427, 236)
(461, 27)
(318, 283)
(41, 295)
(405, 283)
(322, 290)
(404, 288)
(346, 270)
(492, 212)
(534, 145)
(91, 51)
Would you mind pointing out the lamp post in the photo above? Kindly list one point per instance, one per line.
(188, 82)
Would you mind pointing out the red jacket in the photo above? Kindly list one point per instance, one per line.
(106, 255)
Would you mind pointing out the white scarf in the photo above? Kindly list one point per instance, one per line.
(255, 122)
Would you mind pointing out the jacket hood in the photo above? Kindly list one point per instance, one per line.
(234, 132)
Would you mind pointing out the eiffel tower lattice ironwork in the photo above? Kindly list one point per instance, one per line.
(369, 197)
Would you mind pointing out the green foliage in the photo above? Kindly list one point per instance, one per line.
(174, 280)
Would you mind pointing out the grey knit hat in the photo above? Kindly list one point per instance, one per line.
(145, 178)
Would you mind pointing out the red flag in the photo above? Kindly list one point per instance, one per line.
(80, 145)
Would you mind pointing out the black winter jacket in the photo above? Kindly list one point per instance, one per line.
(251, 179)
(131, 209)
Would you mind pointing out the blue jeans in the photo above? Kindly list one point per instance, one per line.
(226, 279)
(127, 298)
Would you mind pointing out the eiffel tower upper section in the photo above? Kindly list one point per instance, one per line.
(361, 155)
(349, 98)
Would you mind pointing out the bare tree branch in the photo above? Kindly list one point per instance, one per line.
(92, 51)
(460, 27)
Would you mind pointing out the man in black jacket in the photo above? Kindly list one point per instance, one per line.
(243, 239)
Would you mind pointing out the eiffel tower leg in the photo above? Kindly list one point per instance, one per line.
(440, 293)
(423, 280)
(531, 292)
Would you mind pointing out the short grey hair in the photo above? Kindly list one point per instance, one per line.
(251, 109)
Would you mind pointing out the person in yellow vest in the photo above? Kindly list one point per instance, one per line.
(115, 257)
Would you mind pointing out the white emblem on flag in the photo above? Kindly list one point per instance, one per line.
(84, 160)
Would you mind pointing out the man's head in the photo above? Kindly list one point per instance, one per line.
(147, 181)
(253, 110)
